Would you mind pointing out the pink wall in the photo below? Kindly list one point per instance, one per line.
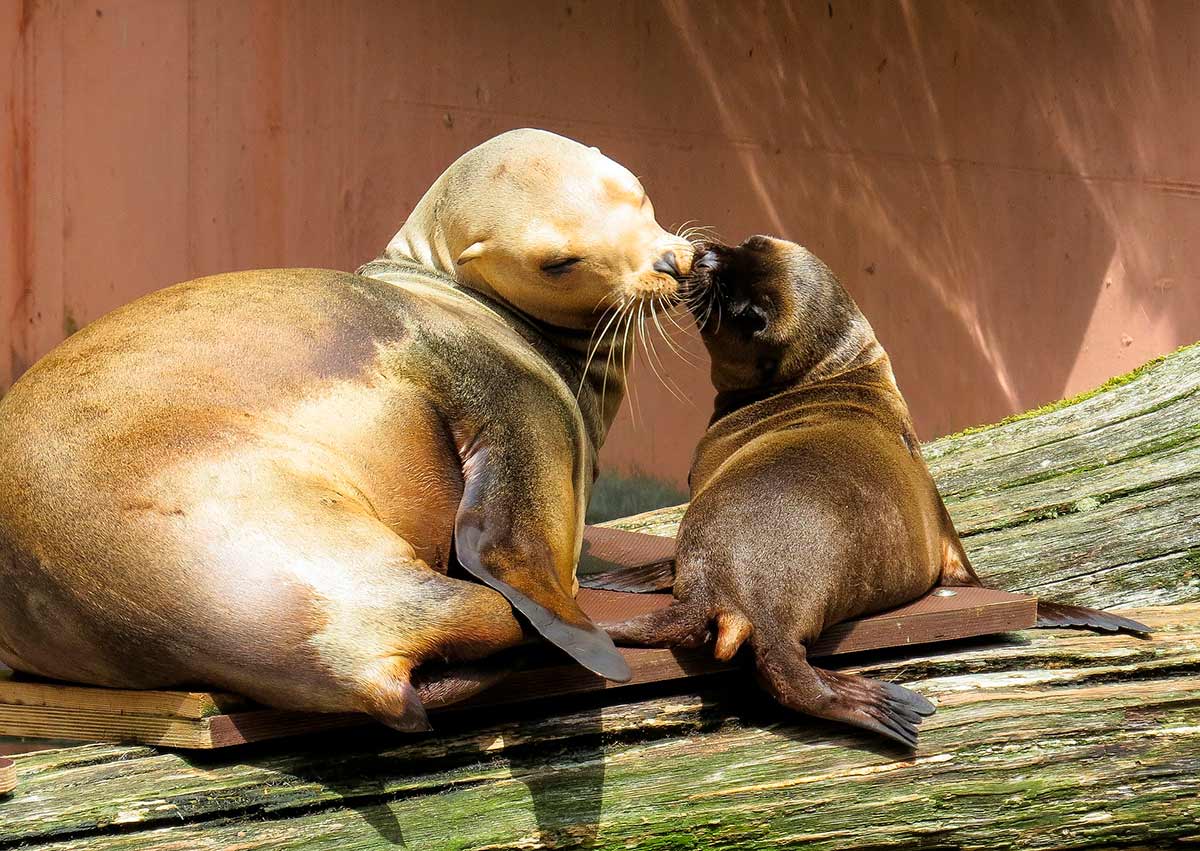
(1011, 190)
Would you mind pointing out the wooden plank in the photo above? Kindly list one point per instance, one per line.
(944, 615)
(1063, 739)
(18, 691)
(8, 775)
(199, 720)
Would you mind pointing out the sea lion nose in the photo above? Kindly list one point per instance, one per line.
(705, 261)
(667, 264)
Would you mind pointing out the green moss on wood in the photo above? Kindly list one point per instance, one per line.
(1116, 381)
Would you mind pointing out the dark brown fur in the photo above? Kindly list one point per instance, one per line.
(811, 503)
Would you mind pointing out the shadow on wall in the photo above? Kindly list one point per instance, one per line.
(1009, 190)
(1002, 191)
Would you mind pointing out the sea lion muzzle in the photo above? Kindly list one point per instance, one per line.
(716, 292)
(668, 264)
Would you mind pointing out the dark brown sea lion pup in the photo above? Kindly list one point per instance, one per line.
(811, 502)
(254, 481)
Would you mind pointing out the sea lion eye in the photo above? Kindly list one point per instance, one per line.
(560, 267)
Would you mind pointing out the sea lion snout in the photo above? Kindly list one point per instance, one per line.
(668, 271)
(668, 264)
(731, 288)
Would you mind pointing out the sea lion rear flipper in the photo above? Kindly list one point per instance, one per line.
(645, 579)
(885, 708)
(1063, 615)
(443, 685)
(678, 625)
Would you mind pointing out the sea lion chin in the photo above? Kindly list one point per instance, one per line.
(811, 502)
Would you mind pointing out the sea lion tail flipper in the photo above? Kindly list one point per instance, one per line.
(884, 708)
(1063, 615)
(681, 624)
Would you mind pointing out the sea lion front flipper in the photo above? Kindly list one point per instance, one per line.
(885, 708)
(516, 532)
(1052, 615)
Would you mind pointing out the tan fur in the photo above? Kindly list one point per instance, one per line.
(253, 481)
(733, 628)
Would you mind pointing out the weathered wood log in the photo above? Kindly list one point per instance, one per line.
(1094, 501)
(1058, 739)
(1052, 739)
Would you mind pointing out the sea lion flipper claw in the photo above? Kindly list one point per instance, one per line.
(1050, 615)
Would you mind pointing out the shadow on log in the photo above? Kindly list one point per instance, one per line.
(1050, 739)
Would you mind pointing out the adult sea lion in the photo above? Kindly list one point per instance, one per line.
(811, 502)
(253, 481)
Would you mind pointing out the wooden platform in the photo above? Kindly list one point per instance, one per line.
(8, 775)
(206, 720)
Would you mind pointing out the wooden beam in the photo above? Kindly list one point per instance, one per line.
(207, 720)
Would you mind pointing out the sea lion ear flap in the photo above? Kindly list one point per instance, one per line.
(472, 252)
(530, 585)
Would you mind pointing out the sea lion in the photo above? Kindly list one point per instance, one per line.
(254, 481)
(811, 501)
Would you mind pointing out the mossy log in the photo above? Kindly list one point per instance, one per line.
(1043, 739)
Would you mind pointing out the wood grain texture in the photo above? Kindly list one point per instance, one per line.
(1059, 739)
(1055, 739)
(8, 776)
(205, 721)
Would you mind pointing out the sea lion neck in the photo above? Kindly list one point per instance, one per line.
(568, 351)
(832, 348)
(871, 368)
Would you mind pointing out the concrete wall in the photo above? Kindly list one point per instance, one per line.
(1010, 190)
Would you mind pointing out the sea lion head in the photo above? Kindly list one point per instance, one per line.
(771, 314)
(546, 225)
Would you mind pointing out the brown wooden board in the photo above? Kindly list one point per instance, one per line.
(8, 775)
(204, 720)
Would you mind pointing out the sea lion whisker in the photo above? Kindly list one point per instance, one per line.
(593, 345)
(651, 352)
(670, 314)
(611, 349)
(633, 395)
(669, 385)
(705, 233)
(599, 341)
(679, 352)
